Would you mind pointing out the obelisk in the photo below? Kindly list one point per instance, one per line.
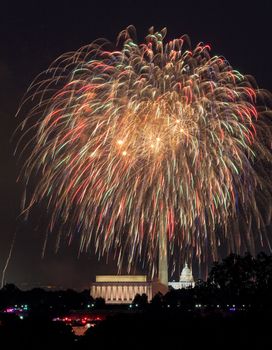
(163, 260)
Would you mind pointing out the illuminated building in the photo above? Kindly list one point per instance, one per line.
(186, 279)
(120, 289)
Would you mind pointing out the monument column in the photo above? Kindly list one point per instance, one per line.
(163, 261)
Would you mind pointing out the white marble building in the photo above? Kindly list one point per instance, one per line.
(120, 289)
(186, 279)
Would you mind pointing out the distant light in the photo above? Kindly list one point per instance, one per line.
(10, 309)
(130, 306)
(89, 325)
(124, 153)
(21, 317)
(88, 306)
(120, 142)
(168, 305)
(136, 305)
(218, 305)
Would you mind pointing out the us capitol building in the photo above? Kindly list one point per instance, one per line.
(186, 279)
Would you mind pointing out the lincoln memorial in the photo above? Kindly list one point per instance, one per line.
(120, 289)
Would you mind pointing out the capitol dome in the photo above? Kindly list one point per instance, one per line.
(186, 274)
(186, 279)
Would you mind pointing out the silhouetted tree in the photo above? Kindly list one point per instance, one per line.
(140, 300)
(235, 276)
(157, 300)
(99, 303)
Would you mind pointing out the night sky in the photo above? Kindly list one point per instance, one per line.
(34, 33)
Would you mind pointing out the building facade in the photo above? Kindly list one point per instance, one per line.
(120, 289)
(186, 279)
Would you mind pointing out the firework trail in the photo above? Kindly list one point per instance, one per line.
(7, 261)
(131, 142)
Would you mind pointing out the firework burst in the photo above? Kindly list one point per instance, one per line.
(150, 139)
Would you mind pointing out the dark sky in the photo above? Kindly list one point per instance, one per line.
(34, 33)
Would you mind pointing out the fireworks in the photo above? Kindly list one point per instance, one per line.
(147, 139)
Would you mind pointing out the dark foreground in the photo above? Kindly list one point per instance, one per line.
(232, 309)
(151, 329)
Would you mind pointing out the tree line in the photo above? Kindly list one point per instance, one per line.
(243, 281)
